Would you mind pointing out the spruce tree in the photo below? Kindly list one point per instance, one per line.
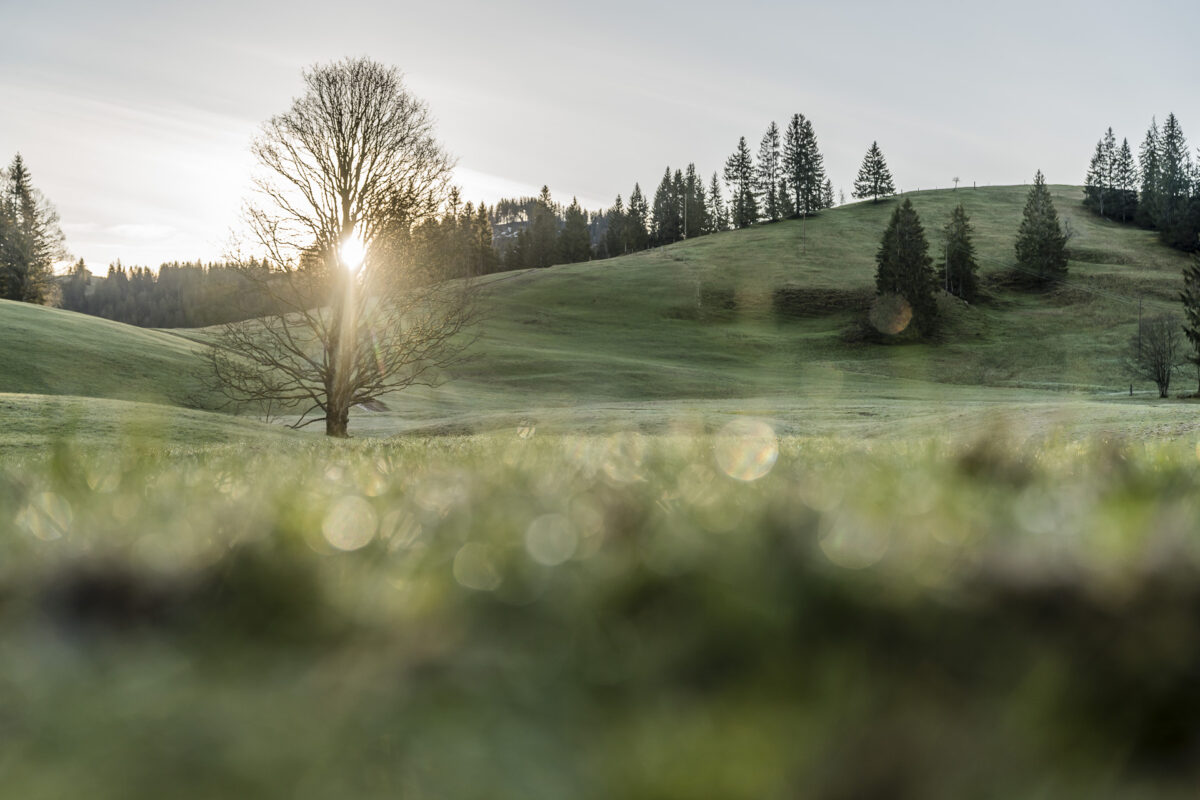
(574, 240)
(484, 242)
(814, 170)
(717, 218)
(667, 219)
(1041, 244)
(959, 273)
(1149, 201)
(615, 241)
(1190, 297)
(1174, 187)
(739, 176)
(767, 174)
(694, 204)
(803, 166)
(827, 200)
(1109, 144)
(636, 222)
(30, 239)
(787, 208)
(1126, 180)
(874, 179)
(543, 232)
(904, 268)
(678, 191)
(74, 295)
(1095, 190)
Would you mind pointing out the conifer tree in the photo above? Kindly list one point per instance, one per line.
(75, 288)
(1190, 297)
(804, 166)
(787, 208)
(664, 227)
(574, 240)
(694, 204)
(30, 239)
(1096, 188)
(959, 272)
(1109, 144)
(543, 232)
(827, 200)
(904, 268)
(484, 242)
(874, 179)
(679, 194)
(637, 221)
(717, 218)
(767, 174)
(1125, 184)
(814, 170)
(1174, 187)
(1041, 244)
(1149, 201)
(739, 176)
(615, 240)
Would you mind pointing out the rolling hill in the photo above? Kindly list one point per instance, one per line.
(765, 320)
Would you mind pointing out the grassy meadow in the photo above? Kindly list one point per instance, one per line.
(677, 530)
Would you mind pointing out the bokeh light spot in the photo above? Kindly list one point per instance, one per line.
(350, 524)
(551, 540)
(890, 314)
(746, 449)
(475, 568)
(854, 543)
(48, 517)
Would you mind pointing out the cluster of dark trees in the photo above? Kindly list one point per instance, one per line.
(179, 295)
(786, 181)
(30, 239)
(906, 282)
(457, 244)
(537, 232)
(1161, 191)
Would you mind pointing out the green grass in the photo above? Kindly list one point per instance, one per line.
(32, 423)
(966, 568)
(621, 343)
(55, 352)
(600, 617)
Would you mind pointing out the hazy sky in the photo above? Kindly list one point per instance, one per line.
(135, 117)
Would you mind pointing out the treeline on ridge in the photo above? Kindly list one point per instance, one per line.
(1160, 191)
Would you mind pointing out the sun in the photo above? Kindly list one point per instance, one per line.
(353, 252)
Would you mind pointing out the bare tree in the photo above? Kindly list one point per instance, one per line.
(346, 174)
(1157, 350)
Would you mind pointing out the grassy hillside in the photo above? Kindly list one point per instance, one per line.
(55, 352)
(33, 423)
(700, 320)
(762, 320)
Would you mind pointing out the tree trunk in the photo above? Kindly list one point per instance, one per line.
(337, 421)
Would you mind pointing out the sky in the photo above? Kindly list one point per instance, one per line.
(135, 118)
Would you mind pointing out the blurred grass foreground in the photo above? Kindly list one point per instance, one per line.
(721, 616)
